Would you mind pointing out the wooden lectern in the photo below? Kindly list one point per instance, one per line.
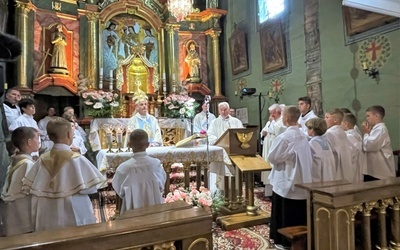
(241, 146)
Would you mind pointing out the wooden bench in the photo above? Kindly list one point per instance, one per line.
(297, 235)
(167, 224)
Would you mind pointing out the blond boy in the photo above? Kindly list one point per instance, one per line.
(16, 204)
(60, 182)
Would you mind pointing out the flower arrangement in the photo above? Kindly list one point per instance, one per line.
(179, 105)
(201, 198)
(99, 103)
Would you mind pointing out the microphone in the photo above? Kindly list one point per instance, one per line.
(10, 47)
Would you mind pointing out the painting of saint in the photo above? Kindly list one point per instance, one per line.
(272, 48)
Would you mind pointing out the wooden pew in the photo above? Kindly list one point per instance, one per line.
(167, 225)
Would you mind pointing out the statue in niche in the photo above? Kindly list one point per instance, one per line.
(58, 63)
(110, 41)
(150, 43)
(193, 61)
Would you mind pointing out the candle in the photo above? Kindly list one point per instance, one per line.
(100, 85)
(5, 85)
(109, 137)
(364, 66)
(173, 88)
(163, 76)
(111, 73)
(173, 77)
(111, 85)
(164, 87)
(119, 137)
(101, 71)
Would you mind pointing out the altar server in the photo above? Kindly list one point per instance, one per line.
(342, 148)
(140, 180)
(272, 129)
(47, 144)
(78, 144)
(377, 146)
(324, 167)
(26, 119)
(60, 182)
(201, 121)
(222, 123)
(71, 111)
(349, 126)
(16, 204)
(290, 155)
(11, 108)
(304, 105)
(143, 120)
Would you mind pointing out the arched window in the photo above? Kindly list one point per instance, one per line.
(268, 9)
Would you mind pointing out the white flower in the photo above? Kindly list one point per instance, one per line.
(98, 105)
(89, 103)
(182, 111)
(114, 104)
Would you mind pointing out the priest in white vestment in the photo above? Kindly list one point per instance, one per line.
(272, 129)
(60, 182)
(10, 104)
(342, 148)
(304, 104)
(139, 181)
(141, 119)
(216, 129)
(203, 119)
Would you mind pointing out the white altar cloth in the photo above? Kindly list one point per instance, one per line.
(220, 164)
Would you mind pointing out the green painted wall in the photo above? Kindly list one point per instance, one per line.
(343, 81)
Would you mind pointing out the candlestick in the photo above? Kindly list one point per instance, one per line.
(111, 85)
(101, 71)
(163, 76)
(164, 87)
(119, 137)
(111, 73)
(173, 77)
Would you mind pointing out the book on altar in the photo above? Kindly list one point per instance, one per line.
(189, 141)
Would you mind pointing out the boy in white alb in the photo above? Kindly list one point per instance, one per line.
(349, 126)
(290, 156)
(16, 204)
(47, 144)
(304, 105)
(342, 148)
(324, 167)
(140, 180)
(60, 182)
(200, 121)
(377, 146)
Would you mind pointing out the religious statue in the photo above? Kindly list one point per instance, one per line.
(110, 41)
(83, 83)
(58, 63)
(193, 61)
(150, 43)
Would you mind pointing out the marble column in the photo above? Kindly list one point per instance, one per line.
(22, 10)
(173, 54)
(214, 34)
(93, 48)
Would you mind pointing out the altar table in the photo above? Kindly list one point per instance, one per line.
(217, 157)
(172, 130)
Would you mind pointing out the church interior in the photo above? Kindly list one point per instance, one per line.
(251, 54)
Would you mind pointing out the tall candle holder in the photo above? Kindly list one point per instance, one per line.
(101, 81)
(108, 128)
(119, 129)
(127, 135)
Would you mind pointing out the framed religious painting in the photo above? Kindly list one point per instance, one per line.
(273, 50)
(238, 52)
(358, 21)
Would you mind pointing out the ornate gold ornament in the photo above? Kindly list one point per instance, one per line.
(244, 138)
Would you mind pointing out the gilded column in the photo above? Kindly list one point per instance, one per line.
(92, 56)
(173, 53)
(162, 52)
(214, 34)
(22, 10)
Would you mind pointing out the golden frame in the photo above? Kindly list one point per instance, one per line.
(358, 21)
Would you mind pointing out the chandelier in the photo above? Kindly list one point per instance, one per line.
(180, 8)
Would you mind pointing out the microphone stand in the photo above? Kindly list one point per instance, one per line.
(207, 101)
